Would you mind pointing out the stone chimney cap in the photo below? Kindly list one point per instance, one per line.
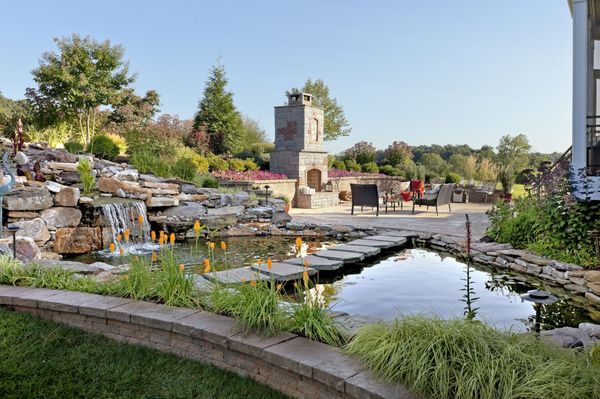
(299, 99)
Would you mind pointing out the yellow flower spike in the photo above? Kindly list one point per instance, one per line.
(141, 219)
(126, 234)
(121, 251)
(206, 265)
(299, 243)
(172, 238)
(212, 245)
(279, 287)
(111, 247)
(223, 246)
(269, 264)
(305, 263)
(197, 226)
(181, 267)
(126, 277)
(305, 276)
(153, 235)
(154, 257)
(243, 280)
(119, 237)
(252, 283)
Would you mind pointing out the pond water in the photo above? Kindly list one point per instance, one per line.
(418, 281)
(412, 281)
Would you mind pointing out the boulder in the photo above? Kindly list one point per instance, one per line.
(158, 202)
(27, 249)
(35, 229)
(21, 159)
(568, 337)
(128, 175)
(67, 196)
(593, 330)
(110, 185)
(281, 218)
(188, 211)
(242, 198)
(73, 266)
(77, 240)
(260, 212)
(63, 166)
(61, 217)
(54, 187)
(28, 199)
(69, 178)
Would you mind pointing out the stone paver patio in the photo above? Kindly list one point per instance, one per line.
(446, 223)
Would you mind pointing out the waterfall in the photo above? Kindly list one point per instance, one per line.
(123, 215)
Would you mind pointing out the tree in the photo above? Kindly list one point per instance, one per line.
(251, 134)
(132, 111)
(434, 164)
(465, 166)
(398, 153)
(362, 152)
(512, 157)
(218, 114)
(10, 113)
(83, 75)
(336, 123)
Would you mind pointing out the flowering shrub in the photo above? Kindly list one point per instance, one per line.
(248, 175)
(334, 173)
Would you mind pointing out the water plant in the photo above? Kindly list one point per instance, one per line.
(468, 296)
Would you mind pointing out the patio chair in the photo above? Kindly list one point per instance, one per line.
(441, 197)
(365, 195)
(417, 188)
(486, 188)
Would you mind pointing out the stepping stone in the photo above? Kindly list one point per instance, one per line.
(316, 263)
(283, 271)
(396, 240)
(361, 249)
(399, 233)
(235, 276)
(373, 243)
(346, 257)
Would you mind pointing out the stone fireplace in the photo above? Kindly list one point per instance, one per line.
(299, 150)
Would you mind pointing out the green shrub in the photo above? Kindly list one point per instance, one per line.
(119, 141)
(249, 164)
(338, 164)
(208, 181)
(236, 164)
(151, 140)
(469, 360)
(452, 177)
(390, 170)
(185, 169)
(352, 165)
(103, 147)
(216, 163)
(74, 147)
(148, 162)
(370, 167)
(198, 160)
(86, 175)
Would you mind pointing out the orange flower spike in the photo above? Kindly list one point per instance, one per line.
(212, 246)
(206, 265)
(252, 283)
(119, 237)
(299, 243)
(243, 280)
(126, 234)
(172, 238)
(223, 246)
(111, 247)
(121, 251)
(141, 219)
(197, 226)
(153, 235)
(154, 257)
(279, 287)
(305, 263)
(305, 276)
(181, 267)
(269, 264)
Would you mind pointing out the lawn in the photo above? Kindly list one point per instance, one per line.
(43, 359)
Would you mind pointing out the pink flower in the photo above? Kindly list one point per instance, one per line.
(248, 175)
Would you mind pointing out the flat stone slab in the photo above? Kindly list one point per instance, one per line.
(395, 240)
(76, 267)
(373, 243)
(283, 271)
(398, 233)
(346, 257)
(361, 249)
(236, 276)
(316, 262)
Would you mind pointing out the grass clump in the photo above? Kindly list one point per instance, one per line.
(43, 359)
(86, 175)
(469, 360)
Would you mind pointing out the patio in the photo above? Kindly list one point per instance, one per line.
(423, 220)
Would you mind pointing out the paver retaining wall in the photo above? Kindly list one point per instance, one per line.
(288, 363)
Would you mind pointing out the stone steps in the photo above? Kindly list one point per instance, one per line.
(346, 257)
(236, 276)
(361, 249)
(317, 263)
(283, 272)
(374, 243)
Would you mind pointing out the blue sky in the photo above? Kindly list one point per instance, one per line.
(425, 72)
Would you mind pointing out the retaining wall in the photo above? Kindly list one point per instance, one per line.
(288, 363)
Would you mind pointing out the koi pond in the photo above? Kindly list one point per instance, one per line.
(407, 282)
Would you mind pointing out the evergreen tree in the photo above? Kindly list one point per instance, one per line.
(218, 116)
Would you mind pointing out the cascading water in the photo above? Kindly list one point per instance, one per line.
(131, 217)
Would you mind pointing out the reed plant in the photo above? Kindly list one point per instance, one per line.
(467, 359)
